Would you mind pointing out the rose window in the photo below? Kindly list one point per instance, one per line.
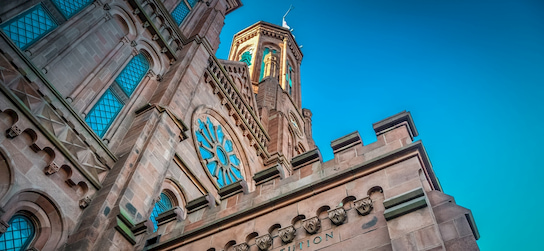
(218, 153)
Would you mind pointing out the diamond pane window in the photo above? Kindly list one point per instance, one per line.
(161, 206)
(218, 152)
(103, 113)
(180, 12)
(246, 58)
(68, 8)
(133, 73)
(192, 3)
(29, 27)
(19, 234)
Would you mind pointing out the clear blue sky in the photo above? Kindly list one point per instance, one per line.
(471, 72)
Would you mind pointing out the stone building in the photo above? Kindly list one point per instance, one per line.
(123, 131)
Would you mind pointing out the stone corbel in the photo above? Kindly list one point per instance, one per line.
(51, 168)
(83, 203)
(241, 247)
(312, 225)
(264, 242)
(363, 206)
(287, 234)
(337, 215)
(13, 132)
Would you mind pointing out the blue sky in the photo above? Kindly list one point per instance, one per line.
(470, 72)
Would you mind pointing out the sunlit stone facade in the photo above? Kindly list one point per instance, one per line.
(121, 130)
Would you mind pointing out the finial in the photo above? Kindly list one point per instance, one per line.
(284, 24)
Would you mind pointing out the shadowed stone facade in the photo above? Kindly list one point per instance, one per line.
(123, 131)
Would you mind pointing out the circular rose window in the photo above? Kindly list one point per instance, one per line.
(218, 152)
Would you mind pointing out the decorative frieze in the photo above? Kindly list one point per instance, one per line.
(241, 247)
(287, 234)
(312, 225)
(264, 242)
(338, 215)
(51, 168)
(363, 206)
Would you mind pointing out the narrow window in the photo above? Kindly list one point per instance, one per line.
(182, 10)
(162, 205)
(20, 233)
(110, 104)
(28, 27)
(69, 8)
(289, 77)
(265, 52)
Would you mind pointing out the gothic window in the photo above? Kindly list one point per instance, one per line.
(182, 10)
(265, 53)
(246, 57)
(30, 26)
(110, 104)
(289, 77)
(161, 206)
(69, 8)
(218, 152)
(20, 233)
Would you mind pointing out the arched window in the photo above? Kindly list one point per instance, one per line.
(182, 10)
(162, 205)
(33, 24)
(110, 104)
(246, 57)
(289, 77)
(20, 233)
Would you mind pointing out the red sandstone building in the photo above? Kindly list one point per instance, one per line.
(123, 131)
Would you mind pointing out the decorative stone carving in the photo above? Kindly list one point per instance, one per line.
(287, 234)
(241, 247)
(363, 206)
(51, 168)
(338, 215)
(83, 203)
(13, 132)
(264, 242)
(312, 225)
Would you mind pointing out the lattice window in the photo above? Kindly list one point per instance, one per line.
(133, 73)
(246, 58)
(161, 206)
(180, 12)
(30, 26)
(19, 234)
(192, 2)
(68, 8)
(104, 112)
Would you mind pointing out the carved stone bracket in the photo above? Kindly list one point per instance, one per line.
(13, 132)
(287, 234)
(51, 168)
(83, 203)
(312, 225)
(264, 242)
(363, 206)
(338, 215)
(241, 247)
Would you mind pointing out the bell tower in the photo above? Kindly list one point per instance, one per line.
(273, 58)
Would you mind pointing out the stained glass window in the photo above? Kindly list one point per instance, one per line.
(132, 74)
(19, 234)
(246, 57)
(218, 152)
(103, 113)
(161, 206)
(29, 27)
(180, 12)
(68, 8)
